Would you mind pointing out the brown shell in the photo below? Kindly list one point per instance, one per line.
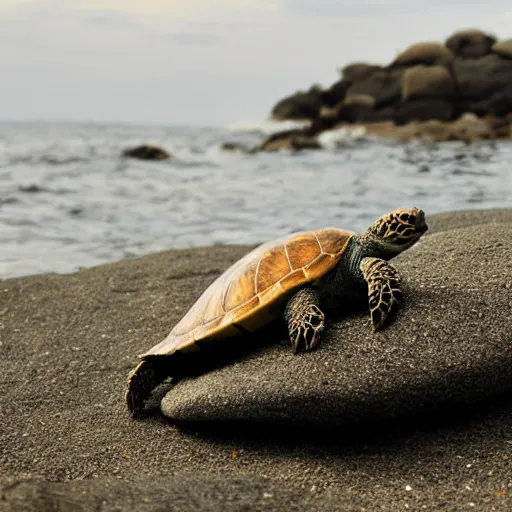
(249, 293)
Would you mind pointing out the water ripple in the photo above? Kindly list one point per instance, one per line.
(68, 199)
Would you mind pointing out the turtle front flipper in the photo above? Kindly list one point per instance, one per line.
(383, 289)
(305, 319)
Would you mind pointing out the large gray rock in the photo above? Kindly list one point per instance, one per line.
(146, 152)
(335, 93)
(470, 44)
(358, 70)
(503, 48)
(383, 85)
(451, 345)
(423, 110)
(299, 106)
(427, 82)
(429, 53)
(481, 78)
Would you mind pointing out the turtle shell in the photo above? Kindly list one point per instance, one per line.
(250, 293)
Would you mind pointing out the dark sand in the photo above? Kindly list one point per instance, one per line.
(68, 342)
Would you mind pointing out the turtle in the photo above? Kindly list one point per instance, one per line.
(294, 277)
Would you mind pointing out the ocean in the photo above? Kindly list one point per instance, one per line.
(68, 199)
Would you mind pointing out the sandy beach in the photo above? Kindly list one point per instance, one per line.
(418, 416)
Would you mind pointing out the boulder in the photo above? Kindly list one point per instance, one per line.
(498, 105)
(503, 48)
(427, 82)
(360, 99)
(383, 85)
(291, 140)
(335, 93)
(478, 79)
(360, 108)
(448, 347)
(423, 110)
(470, 44)
(468, 128)
(429, 53)
(358, 70)
(146, 152)
(356, 113)
(301, 105)
(235, 147)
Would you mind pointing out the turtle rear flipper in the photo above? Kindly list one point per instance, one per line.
(143, 379)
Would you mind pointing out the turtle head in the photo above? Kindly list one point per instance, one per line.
(396, 231)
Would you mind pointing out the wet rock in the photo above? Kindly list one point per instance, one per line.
(423, 110)
(429, 53)
(335, 94)
(146, 152)
(30, 189)
(503, 48)
(301, 105)
(358, 71)
(479, 79)
(383, 85)
(448, 347)
(498, 105)
(361, 109)
(427, 82)
(357, 108)
(235, 147)
(468, 128)
(360, 99)
(356, 113)
(291, 140)
(470, 44)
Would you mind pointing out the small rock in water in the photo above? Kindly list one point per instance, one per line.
(31, 189)
(146, 152)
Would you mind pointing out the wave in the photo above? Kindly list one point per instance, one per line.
(265, 127)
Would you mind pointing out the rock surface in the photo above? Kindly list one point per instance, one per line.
(69, 341)
(470, 44)
(146, 152)
(428, 81)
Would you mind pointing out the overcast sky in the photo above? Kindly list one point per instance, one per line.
(203, 62)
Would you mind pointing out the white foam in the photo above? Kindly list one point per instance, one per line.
(340, 136)
(266, 127)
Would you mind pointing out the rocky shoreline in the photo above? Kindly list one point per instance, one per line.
(457, 90)
(417, 416)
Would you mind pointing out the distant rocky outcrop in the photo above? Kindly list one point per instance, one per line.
(146, 152)
(471, 72)
(302, 105)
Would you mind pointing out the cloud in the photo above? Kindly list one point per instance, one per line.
(350, 8)
(170, 8)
